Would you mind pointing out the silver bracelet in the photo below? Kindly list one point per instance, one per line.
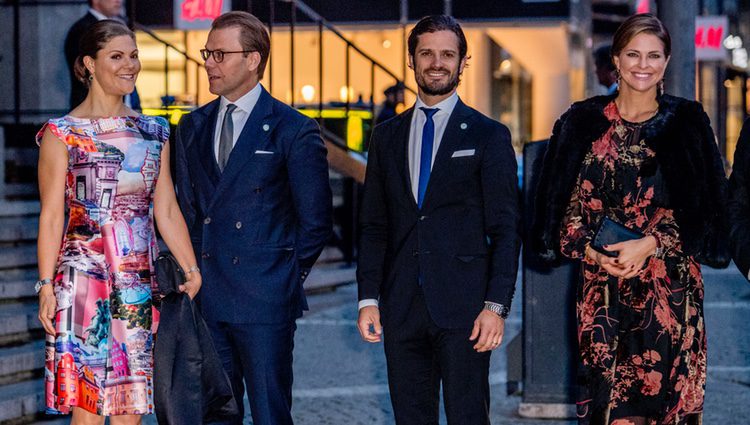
(192, 269)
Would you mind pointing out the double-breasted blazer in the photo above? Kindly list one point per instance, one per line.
(259, 226)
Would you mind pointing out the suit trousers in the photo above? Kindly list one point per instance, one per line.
(420, 355)
(258, 357)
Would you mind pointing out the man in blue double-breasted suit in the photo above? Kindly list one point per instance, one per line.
(252, 181)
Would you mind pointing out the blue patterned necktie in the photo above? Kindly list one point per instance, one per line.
(425, 158)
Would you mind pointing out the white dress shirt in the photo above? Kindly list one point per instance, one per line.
(245, 105)
(418, 119)
(98, 15)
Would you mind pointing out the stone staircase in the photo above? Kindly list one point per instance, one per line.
(21, 335)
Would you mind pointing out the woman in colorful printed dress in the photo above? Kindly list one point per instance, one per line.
(648, 161)
(109, 168)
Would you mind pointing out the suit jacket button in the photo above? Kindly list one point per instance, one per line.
(207, 220)
(205, 255)
(422, 217)
(238, 224)
(415, 253)
(258, 190)
(235, 260)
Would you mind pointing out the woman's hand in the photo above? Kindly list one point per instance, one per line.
(47, 308)
(192, 285)
(607, 263)
(633, 254)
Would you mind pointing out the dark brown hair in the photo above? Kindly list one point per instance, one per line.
(93, 40)
(640, 23)
(253, 34)
(435, 23)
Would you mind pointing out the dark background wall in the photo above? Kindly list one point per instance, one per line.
(158, 13)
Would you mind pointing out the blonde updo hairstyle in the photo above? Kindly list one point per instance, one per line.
(93, 40)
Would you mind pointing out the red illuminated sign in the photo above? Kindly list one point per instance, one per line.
(709, 37)
(710, 32)
(191, 10)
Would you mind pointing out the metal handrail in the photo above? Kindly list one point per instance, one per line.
(167, 46)
(314, 16)
(156, 37)
(322, 23)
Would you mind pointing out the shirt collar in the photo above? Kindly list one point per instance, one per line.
(446, 105)
(98, 15)
(246, 103)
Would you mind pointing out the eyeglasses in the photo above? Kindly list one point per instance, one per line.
(218, 55)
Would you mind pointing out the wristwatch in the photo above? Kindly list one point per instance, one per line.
(499, 309)
(41, 282)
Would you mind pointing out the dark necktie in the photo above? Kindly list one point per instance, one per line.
(425, 158)
(225, 137)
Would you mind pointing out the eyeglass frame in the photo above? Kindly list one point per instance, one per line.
(205, 54)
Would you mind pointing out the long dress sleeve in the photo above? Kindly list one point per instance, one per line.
(663, 227)
(575, 232)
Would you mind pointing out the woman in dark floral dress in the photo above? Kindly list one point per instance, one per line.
(649, 162)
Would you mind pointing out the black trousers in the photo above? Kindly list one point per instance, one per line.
(421, 356)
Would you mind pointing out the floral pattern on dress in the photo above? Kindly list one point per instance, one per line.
(100, 358)
(642, 342)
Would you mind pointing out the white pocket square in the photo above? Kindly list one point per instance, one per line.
(260, 152)
(465, 152)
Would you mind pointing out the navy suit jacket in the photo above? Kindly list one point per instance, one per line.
(261, 224)
(463, 243)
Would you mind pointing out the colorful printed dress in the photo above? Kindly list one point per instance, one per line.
(642, 341)
(101, 359)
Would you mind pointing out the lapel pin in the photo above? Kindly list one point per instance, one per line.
(266, 127)
(463, 126)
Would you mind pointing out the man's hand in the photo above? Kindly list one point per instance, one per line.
(489, 328)
(369, 323)
(192, 286)
(47, 308)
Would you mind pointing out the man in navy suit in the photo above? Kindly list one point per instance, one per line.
(439, 239)
(252, 180)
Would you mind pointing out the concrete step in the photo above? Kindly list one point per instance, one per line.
(330, 275)
(18, 228)
(17, 283)
(23, 399)
(14, 256)
(23, 358)
(19, 318)
(17, 208)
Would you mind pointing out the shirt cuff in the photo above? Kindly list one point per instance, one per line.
(367, 303)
